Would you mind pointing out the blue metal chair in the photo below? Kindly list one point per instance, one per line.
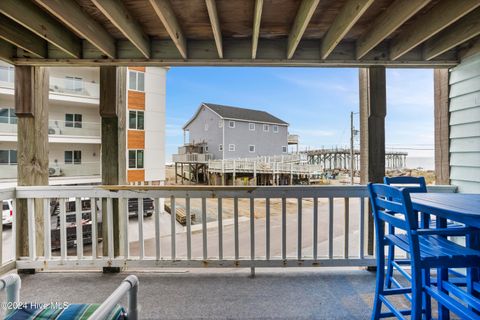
(428, 248)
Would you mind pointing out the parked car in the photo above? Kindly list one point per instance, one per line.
(148, 207)
(7, 212)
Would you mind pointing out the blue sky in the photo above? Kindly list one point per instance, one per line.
(316, 102)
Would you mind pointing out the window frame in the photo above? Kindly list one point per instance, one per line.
(74, 155)
(74, 81)
(220, 147)
(136, 157)
(76, 122)
(136, 84)
(231, 147)
(251, 126)
(136, 112)
(249, 148)
(10, 117)
(275, 128)
(266, 127)
(220, 123)
(284, 149)
(230, 122)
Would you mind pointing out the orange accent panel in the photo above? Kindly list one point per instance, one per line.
(137, 68)
(136, 175)
(136, 100)
(136, 139)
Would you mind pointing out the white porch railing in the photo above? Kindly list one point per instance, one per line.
(244, 227)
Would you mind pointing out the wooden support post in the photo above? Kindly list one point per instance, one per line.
(373, 109)
(31, 107)
(113, 81)
(442, 129)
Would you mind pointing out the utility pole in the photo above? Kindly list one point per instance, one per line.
(353, 132)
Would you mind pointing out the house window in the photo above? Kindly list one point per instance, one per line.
(74, 84)
(251, 148)
(8, 157)
(7, 115)
(136, 80)
(220, 147)
(73, 120)
(251, 126)
(135, 159)
(231, 147)
(275, 128)
(136, 120)
(205, 149)
(284, 149)
(266, 127)
(206, 126)
(220, 123)
(231, 124)
(73, 157)
(7, 74)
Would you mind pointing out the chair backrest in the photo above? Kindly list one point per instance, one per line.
(392, 205)
(412, 184)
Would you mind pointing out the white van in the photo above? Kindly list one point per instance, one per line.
(7, 212)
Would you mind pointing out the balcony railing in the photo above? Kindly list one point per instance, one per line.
(73, 170)
(192, 157)
(238, 227)
(81, 88)
(71, 128)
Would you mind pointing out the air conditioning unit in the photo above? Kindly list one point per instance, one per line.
(53, 130)
(55, 172)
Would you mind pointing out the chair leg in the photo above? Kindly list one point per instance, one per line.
(380, 279)
(416, 295)
(426, 297)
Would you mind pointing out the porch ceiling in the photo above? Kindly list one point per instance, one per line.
(414, 33)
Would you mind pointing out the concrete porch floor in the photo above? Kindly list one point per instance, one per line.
(327, 293)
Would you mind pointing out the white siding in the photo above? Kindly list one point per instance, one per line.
(465, 125)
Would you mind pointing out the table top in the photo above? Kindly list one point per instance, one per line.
(460, 207)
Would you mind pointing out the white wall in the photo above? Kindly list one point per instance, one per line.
(155, 91)
(465, 125)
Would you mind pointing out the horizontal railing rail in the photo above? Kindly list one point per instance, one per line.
(234, 226)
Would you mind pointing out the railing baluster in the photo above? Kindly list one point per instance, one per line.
(220, 229)
(346, 226)
(140, 228)
(204, 228)
(78, 222)
(330, 227)
(173, 217)
(47, 244)
(126, 243)
(252, 229)
(315, 228)
(63, 230)
(110, 227)
(362, 228)
(32, 247)
(157, 228)
(189, 228)
(284, 228)
(93, 206)
(267, 229)
(299, 231)
(235, 229)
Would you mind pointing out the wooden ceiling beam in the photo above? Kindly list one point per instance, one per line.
(116, 12)
(257, 17)
(17, 35)
(70, 14)
(389, 21)
(443, 14)
(345, 20)
(31, 17)
(164, 11)
(215, 22)
(304, 14)
(7, 51)
(462, 31)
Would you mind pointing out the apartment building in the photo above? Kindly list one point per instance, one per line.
(75, 126)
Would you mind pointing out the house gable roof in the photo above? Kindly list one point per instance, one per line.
(242, 114)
